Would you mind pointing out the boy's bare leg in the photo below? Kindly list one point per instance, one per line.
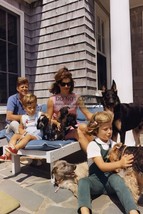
(23, 142)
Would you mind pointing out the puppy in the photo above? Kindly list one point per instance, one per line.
(70, 121)
(50, 130)
(66, 175)
(133, 176)
(63, 113)
(67, 120)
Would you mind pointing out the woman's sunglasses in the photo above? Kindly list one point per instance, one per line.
(63, 84)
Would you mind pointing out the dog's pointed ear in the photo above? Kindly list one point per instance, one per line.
(114, 87)
(117, 146)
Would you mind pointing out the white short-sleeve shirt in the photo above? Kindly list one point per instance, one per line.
(93, 149)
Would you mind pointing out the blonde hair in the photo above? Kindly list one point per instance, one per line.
(29, 99)
(98, 119)
(21, 81)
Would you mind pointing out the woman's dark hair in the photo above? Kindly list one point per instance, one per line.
(63, 73)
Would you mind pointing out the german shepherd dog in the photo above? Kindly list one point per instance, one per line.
(127, 116)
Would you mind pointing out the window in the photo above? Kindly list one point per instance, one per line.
(9, 53)
(101, 58)
(12, 57)
(100, 35)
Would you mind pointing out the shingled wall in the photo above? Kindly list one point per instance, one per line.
(61, 33)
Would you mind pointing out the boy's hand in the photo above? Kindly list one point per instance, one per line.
(126, 161)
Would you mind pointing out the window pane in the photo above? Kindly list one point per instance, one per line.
(12, 84)
(12, 28)
(9, 49)
(102, 28)
(101, 35)
(103, 46)
(2, 56)
(98, 25)
(2, 24)
(12, 59)
(99, 43)
(3, 90)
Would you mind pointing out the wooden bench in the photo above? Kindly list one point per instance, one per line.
(50, 155)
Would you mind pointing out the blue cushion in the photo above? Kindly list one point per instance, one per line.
(9, 135)
(42, 108)
(46, 145)
(82, 118)
(2, 133)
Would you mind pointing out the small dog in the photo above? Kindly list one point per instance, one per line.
(133, 176)
(66, 175)
(67, 120)
(126, 116)
(50, 130)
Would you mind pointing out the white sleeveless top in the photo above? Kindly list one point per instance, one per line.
(30, 124)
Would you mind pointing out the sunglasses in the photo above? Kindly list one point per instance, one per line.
(63, 84)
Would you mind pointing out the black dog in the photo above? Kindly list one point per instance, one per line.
(127, 116)
(50, 130)
(67, 120)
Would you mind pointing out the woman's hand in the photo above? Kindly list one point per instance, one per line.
(58, 125)
(126, 161)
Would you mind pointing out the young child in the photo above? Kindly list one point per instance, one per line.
(27, 128)
(102, 178)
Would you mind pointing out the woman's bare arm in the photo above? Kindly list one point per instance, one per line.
(84, 109)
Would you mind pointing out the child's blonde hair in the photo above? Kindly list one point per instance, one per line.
(29, 99)
(97, 120)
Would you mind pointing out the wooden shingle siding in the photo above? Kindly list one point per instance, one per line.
(90, 50)
(66, 37)
(59, 33)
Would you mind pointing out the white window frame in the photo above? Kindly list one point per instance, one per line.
(22, 47)
(99, 12)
